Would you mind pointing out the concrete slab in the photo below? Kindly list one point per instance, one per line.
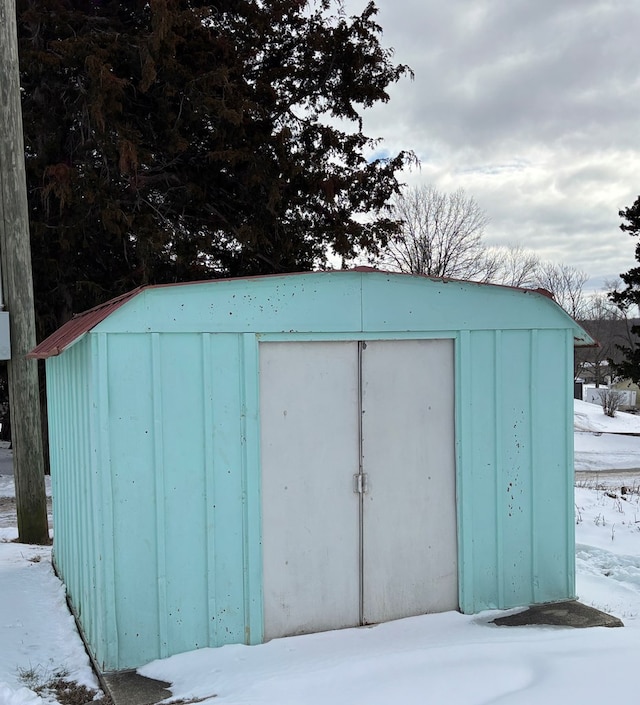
(130, 688)
(561, 614)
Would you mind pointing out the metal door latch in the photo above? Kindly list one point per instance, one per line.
(360, 483)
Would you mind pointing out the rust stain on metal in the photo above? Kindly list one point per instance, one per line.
(79, 325)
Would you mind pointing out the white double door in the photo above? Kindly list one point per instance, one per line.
(358, 483)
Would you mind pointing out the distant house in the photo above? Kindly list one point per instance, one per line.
(632, 394)
(592, 363)
(594, 373)
(243, 459)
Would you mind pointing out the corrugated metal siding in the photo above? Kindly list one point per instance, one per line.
(76, 503)
(178, 458)
(156, 454)
(514, 435)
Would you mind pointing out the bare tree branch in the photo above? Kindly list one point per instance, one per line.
(566, 283)
(513, 266)
(441, 235)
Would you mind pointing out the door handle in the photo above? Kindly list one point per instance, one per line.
(360, 483)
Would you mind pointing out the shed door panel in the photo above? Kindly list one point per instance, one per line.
(309, 436)
(409, 530)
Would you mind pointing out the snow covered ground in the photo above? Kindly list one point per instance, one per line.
(589, 417)
(599, 445)
(38, 638)
(451, 659)
(448, 658)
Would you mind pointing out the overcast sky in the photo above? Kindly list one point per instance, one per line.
(531, 106)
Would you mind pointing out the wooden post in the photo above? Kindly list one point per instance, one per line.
(15, 249)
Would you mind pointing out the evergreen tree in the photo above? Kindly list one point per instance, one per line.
(629, 368)
(173, 140)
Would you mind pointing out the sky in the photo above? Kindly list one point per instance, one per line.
(532, 107)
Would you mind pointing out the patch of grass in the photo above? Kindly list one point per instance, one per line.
(67, 692)
(55, 683)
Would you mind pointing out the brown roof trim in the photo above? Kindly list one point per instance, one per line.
(80, 324)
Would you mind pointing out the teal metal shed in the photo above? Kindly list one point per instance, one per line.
(237, 460)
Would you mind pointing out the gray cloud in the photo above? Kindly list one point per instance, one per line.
(532, 106)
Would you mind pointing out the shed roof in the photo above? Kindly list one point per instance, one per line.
(80, 324)
(84, 322)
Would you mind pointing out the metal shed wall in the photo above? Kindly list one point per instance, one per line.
(155, 452)
(78, 510)
(152, 505)
(515, 468)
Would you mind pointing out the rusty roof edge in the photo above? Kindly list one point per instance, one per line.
(78, 326)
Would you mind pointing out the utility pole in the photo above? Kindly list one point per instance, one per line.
(15, 249)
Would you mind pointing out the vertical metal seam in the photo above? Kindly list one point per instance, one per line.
(160, 489)
(89, 489)
(249, 372)
(244, 340)
(93, 468)
(361, 346)
(209, 485)
(97, 609)
(464, 472)
(533, 415)
(111, 654)
(243, 480)
(79, 480)
(500, 576)
(92, 480)
(78, 455)
(254, 465)
(242, 391)
(569, 465)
